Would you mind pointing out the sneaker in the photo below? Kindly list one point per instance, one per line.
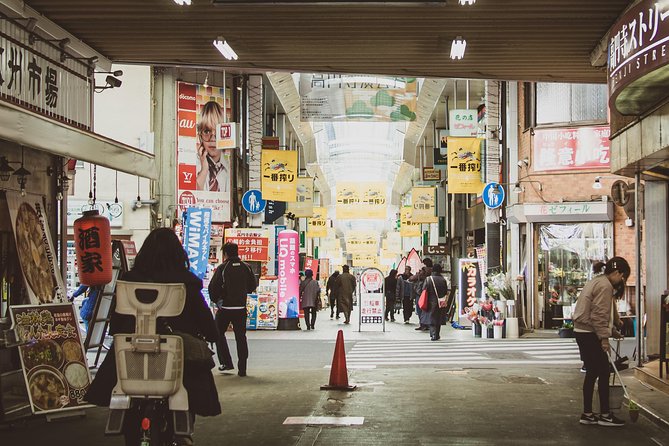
(223, 368)
(610, 420)
(583, 370)
(588, 419)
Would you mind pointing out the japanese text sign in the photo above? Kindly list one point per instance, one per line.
(318, 223)
(464, 166)
(463, 123)
(197, 234)
(470, 284)
(423, 205)
(279, 175)
(289, 274)
(252, 244)
(304, 200)
(572, 149)
(408, 227)
(360, 200)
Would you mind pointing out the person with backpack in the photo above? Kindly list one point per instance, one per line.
(232, 281)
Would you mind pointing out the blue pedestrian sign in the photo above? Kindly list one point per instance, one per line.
(493, 195)
(252, 202)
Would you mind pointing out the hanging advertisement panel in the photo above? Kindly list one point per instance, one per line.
(582, 148)
(346, 97)
(365, 260)
(423, 205)
(318, 223)
(289, 274)
(279, 175)
(360, 200)
(463, 122)
(53, 360)
(324, 269)
(253, 243)
(197, 236)
(464, 168)
(303, 205)
(393, 242)
(408, 228)
(34, 247)
(362, 242)
(204, 174)
(470, 283)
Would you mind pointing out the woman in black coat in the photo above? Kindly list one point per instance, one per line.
(389, 286)
(162, 259)
(436, 287)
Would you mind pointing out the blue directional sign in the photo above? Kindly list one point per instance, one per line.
(493, 195)
(252, 202)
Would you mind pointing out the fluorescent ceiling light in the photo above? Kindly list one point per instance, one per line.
(183, 2)
(458, 48)
(225, 49)
(467, 2)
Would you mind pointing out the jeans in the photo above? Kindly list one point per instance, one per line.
(309, 311)
(597, 368)
(238, 319)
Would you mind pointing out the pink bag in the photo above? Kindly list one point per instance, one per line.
(422, 300)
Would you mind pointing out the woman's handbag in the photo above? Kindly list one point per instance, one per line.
(423, 303)
(196, 349)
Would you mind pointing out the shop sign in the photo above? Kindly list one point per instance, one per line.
(336, 97)
(270, 143)
(367, 260)
(303, 205)
(33, 77)
(312, 264)
(318, 223)
(113, 211)
(579, 148)
(274, 210)
(464, 165)
(431, 174)
(53, 361)
(204, 173)
(423, 205)
(197, 234)
(463, 122)
(253, 244)
(279, 175)
(408, 228)
(576, 211)
(226, 136)
(435, 250)
(361, 200)
(362, 242)
(470, 283)
(638, 55)
(289, 275)
(130, 252)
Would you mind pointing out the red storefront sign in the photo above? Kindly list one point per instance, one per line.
(186, 123)
(251, 249)
(580, 148)
(187, 95)
(187, 174)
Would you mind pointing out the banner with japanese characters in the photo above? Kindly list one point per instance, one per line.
(470, 284)
(362, 242)
(34, 247)
(578, 148)
(53, 358)
(346, 97)
(393, 241)
(252, 243)
(279, 175)
(361, 200)
(365, 260)
(303, 206)
(423, 205)
(464, 166)
(318, 226)
(204, 173)
(197, 236)
(408, 227)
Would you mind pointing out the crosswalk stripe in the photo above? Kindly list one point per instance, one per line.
(439, 348)
(486, 362)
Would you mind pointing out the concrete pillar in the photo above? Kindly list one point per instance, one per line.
(164, 124)
(255, 134)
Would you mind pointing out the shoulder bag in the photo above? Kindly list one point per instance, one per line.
(196, 349)
(423, 304)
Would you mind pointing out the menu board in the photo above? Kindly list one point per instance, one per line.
(54, 361)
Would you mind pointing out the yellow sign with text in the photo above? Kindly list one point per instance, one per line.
(318, 223)
(362, 242)
(361, 200)
(303, 206)
(408, 228)
(423, 209)
(366, 260)
(279, 175)
(464, 166)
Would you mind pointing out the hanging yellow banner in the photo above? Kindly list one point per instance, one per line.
(393, 242)
(318, 223)
(408, 228)
(423, 200)
(303, 206)
(365, 260)
(279, 175)
(362, 242)
(361, 200)
(464, 166)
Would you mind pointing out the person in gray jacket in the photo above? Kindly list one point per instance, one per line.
(310, 295)
(593, 325)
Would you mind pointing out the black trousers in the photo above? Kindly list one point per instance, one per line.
(390, 307)
(436, 315)
(224, 318)
(309, 316)
(597, 369)
(407, 307)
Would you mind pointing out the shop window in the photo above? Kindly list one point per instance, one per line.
(587, 103)
(566, 255)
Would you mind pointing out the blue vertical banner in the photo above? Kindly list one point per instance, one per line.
(197, 235)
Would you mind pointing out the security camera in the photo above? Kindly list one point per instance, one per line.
(113, 82)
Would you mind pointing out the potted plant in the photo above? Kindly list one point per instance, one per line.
(567, 330)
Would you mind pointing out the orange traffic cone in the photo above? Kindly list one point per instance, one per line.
(338, 372)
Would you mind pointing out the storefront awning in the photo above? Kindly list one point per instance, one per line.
(33, 130)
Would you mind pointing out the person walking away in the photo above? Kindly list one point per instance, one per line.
(437, 288)
(331, 292)
(310, 293)
(593, 325)
(346, 285)
(403, 293)
(162, 259)
(418, 281)
(232, 281)
(389, 290)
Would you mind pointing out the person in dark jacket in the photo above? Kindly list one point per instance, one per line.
(403, 293)
(232, 281)
(389, 290)
(332, 292)
(162, 259)
(310, 293)
(437, 288)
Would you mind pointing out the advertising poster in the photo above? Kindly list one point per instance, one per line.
(337, 97)
(366, 242)
(197, 233)
(470, 283)
(423, 205)
(251, 311)
(253, 243)
(35, 249)
(54, 361)
(204, 174)
(268, 316)
(312, 264)
(356, 200)
(279, 175)
(304, 202)
(289, 274)
(408, 228)
(371, 300)
(318, 223)
(463, 122)
(464, 166)
(579, 148)
(324, 269)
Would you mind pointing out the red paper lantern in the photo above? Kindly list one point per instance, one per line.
(92, 240)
